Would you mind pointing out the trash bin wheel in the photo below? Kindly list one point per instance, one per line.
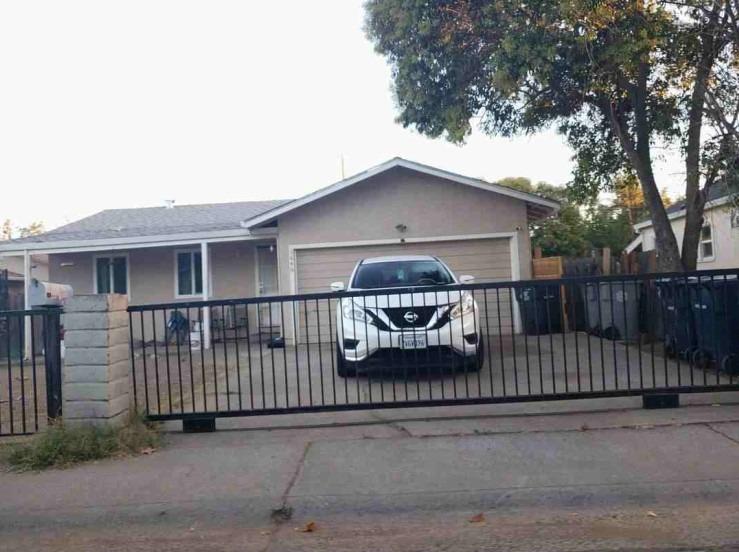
(700, 359)
(730, 364)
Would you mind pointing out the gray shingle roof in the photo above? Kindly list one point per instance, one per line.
(156, 221)
(714, 192)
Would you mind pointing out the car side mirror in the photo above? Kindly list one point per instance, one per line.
(337, 286)
(466, 279)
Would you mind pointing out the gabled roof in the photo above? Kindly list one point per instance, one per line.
(717, 195)
(155, 221)
(538, 207)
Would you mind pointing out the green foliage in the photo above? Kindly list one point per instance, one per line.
(61, 446)
(577, 230)
(7, 232)
(615, 77)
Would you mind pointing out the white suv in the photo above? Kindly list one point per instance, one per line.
(428, 327)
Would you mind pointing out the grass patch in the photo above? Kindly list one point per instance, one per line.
(61, 446)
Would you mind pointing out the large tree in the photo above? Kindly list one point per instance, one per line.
(620, 79)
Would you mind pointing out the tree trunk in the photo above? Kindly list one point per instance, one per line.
(668, 252)
(695, 200)
(638, 152)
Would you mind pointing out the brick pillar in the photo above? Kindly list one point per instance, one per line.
(96, 360)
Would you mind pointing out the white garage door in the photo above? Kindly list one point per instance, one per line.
(488, 260)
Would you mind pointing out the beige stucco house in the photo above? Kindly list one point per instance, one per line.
(176, 254)
(719, 241)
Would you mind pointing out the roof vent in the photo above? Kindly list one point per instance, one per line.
(169, 203)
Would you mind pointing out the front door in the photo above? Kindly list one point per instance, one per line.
(267, 284)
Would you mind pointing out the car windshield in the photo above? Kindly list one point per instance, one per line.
(401, 274)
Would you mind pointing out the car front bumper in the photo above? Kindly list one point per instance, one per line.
(359, 341)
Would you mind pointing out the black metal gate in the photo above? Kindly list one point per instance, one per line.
(4, 291)
(438, 345)
(30, 370)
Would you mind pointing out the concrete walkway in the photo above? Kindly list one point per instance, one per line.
(590, 479)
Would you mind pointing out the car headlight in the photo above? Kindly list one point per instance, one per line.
(465, 306)
(353, 312)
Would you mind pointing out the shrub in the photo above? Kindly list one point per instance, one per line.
(62, 446)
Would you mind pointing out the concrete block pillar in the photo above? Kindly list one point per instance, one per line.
(96, 363)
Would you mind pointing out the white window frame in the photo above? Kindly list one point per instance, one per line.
(701, 241)
(189, 250)
(111, 256)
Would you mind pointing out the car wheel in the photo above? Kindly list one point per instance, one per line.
(342, 370)
(479, 359)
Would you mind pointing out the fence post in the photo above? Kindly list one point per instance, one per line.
(53, 363)
(96, 360)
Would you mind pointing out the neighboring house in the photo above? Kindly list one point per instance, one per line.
(261, 248)
(719, 240)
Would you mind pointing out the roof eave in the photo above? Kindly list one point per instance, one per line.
(681, 213)
(530, 199)
(134, 242)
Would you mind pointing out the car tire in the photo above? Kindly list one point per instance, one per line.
(478, 360)
(341, 367)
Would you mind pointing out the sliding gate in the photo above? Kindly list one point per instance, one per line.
(430, 346)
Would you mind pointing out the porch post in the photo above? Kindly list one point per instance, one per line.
(206, 292)
(27, 301)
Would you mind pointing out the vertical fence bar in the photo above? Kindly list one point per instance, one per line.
(511, 291)
(330, 347)
(201, 334)
(21, 354)
(33, 367)
(10, 373)
(500, 339)
(320, 353)
(131, 352)
(156, 364)
(284, 351)
(488, 342)
(166, 358)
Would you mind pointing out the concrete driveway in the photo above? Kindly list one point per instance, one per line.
(249, 377)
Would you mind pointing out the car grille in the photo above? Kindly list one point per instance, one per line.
(397, 316)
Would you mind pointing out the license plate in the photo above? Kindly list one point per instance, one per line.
(413, 341)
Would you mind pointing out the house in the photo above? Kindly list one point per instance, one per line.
(719, 240)
(176, 254)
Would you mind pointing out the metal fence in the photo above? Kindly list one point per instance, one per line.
(4, 291)
(429, 346)
(30, 370)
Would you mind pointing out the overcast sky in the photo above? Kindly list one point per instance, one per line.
(125, 104)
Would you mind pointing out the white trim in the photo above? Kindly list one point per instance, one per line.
(681, 213)
(139, 242)
(257, 270)
(389, 241)
(192, 275)
(111, 256)
(206, 277)
(633, 244)
(28, 344)
(398, 162)
(701, 241)
(515, 276)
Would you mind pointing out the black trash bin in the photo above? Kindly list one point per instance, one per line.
(715, 307)
(678, 326)
(541, 308)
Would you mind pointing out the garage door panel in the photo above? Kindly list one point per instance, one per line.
(488, 260)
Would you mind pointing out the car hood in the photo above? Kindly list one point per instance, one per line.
(387, 299)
